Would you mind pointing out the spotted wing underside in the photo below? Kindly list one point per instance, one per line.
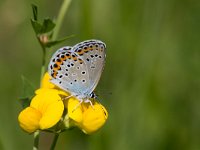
(92, 52)
(69, 72)
(78, 69)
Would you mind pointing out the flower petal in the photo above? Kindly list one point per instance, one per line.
(93, 118)
(29, 119)
(50, 104)
(74, 110)
(52, 115)
(45, 83)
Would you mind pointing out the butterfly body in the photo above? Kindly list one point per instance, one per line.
(78, 69)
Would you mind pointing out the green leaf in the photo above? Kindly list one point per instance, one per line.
(36, 26)
(25, 102)
(51, 35)
(53, 43)
(47, 26)
(27, 92)
(35, 11)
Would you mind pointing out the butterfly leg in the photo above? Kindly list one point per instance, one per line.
(67, 97)
(77, 105)
(89, 101)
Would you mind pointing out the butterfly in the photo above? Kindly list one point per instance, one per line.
(77, 69)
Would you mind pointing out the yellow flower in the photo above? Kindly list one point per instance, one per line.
(45, 82)
(89, 118)
(47, 107)
(44, 112)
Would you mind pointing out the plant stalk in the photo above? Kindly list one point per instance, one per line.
(61, 14)
(53, 145)
(36, 140)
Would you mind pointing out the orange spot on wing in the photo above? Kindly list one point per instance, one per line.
(75, 58)
(86, 50)
(55, 74)
(91, 48)
(80, 60)
(68, 57)
(63, 59)
(58, 66)
(81, 52)
(59, 63)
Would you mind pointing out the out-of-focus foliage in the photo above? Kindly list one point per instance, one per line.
(152, 71)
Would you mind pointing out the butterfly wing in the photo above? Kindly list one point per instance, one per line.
(69, 72)
(92, 52)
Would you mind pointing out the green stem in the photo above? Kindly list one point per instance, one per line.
(61, 14)
(43, 63)
(36, 140)
(59, 21)
(53, 145)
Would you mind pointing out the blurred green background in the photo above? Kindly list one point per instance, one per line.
(152, 70)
